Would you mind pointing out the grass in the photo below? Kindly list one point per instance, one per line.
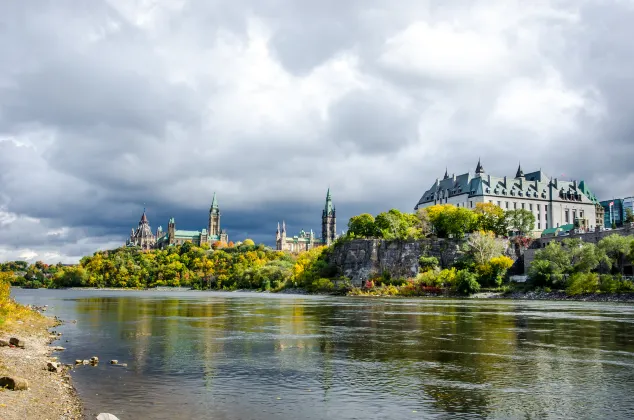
(14, 316)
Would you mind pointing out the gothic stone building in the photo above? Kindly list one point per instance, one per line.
(553, 202)
(143, 237)
(307, 240)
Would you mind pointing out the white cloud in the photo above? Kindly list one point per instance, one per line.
(445, 51)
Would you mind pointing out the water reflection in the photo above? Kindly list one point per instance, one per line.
(232, 356)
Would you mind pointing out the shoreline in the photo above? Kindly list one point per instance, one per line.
(555, 296)
(50, 395)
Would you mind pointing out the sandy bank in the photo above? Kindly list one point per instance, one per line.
(50, 395)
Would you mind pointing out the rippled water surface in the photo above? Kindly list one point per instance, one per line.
(210, 355)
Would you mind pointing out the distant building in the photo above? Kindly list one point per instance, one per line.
(307, 240)
(143, 237)
(618, 211)
(553, 202)
(212, 234)
(614, 213)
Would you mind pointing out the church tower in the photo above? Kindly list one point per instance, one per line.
(328, 221)
(214, 218)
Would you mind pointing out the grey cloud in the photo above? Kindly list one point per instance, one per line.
(107, 107)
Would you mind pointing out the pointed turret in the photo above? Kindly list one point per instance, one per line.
(278, 228)
(479, 169)
(519, 173)
(143, 217)
(214, 203)
(328, 207)
(446, 173)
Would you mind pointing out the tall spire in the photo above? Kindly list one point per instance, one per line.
(283, 226)
(214, 202)
(143, 217)
(328, 207)
(446, 174)
(479, 169)
(278, 228)
(520, 173)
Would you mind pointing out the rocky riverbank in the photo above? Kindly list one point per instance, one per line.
(49, 392)
(562, 296)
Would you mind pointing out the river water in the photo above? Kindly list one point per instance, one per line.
(206, 355)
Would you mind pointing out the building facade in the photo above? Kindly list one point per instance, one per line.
(143, 237)
(615, 213)
(211, 234)
(307, 240)
(553, 202)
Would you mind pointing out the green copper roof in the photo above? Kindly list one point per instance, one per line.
(214, 202)
(328, 208)
(186, 233)
(549, 231)
(567, 228)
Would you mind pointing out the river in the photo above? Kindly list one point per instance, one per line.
(214, 355)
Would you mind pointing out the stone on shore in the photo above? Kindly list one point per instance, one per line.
(107, 416)
(114, 362)
(4, 343)
(14, 383)
(78, 361)
(54, 367)
(94, 359)
(16, 342)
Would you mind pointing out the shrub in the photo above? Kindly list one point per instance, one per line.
(323, 285)
(581, 283)
(492, 272)
(607, 284)
(466, 283)
(427, 263)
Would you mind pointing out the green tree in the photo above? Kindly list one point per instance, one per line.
(482, 246)
(447, 219)
(490, 218)
(616, 248)
(248, 242)
(521, 221)
(362, 226)
(549, 266)
(629, 215)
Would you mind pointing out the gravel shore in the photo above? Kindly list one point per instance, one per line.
(50, 395)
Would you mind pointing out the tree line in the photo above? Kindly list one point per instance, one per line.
(441, 220)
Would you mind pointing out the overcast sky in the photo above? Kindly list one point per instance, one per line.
(107, 106)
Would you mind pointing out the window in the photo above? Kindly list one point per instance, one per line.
(539, 207)
(515, 205)
(530, 207)
(539, 225)
(523, 205)
(567, 216)
(507, 205)
(581, 214)
(471, 204)
(545, 207)
(499, 204)
(574, 215)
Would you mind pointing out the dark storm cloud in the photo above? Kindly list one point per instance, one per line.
(109, 107)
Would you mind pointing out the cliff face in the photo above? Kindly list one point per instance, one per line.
(362, 259)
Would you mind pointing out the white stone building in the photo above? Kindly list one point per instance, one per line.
(554, 202)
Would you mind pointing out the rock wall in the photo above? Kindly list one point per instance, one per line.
(362, 259)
